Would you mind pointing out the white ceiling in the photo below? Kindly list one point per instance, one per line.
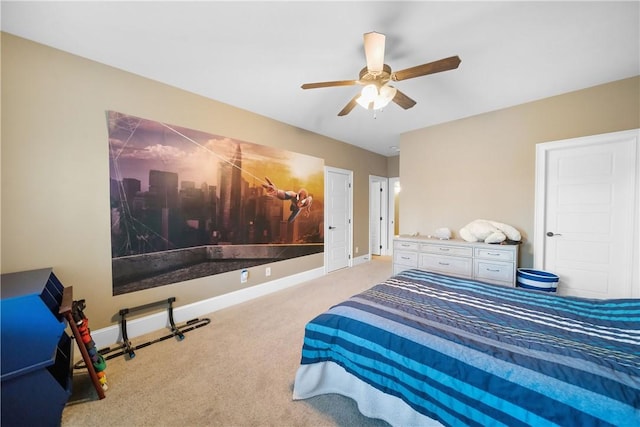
(255, 55)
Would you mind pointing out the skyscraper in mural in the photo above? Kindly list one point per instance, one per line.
(231, 197)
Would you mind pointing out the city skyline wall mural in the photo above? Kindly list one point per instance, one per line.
(187, 204)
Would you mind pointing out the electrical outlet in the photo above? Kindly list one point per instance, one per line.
(244, 276)
(267, 271)
(357, 249)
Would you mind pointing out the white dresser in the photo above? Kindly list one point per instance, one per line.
(481, 261)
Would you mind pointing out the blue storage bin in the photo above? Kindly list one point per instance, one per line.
(538, 280)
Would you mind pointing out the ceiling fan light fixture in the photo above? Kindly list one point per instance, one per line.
(373, 99)
(368, 96)
(384, 97)
(369, 92)
(365, 104)
(380, 103)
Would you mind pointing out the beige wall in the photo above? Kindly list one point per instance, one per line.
(484, 166)
(55, 170)
(393, 166)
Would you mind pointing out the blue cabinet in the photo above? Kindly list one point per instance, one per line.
(36, 352)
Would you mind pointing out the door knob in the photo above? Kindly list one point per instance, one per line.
(551, 234)
(331, 227)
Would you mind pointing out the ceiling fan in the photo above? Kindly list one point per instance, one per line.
(375, 77)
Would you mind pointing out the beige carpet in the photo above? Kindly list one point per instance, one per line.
(236, 371)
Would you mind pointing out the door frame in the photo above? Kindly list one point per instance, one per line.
(325, 226)
(542, 150)
(393, 187)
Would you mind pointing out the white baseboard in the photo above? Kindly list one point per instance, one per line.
(361, 260)
(111, 335)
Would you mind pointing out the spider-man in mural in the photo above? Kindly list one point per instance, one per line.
(300, 201)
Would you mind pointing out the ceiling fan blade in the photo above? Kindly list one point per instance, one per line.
(424, 69)
(374, 51)
(350, 106)
(329, 84)
(403, 100)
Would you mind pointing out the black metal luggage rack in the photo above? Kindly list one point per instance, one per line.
(127, 349)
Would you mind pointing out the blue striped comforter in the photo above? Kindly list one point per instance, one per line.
(468, 353)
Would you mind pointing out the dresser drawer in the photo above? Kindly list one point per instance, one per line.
(447, 250)
(407, 259)
(455, 266)
(494, 254)
(407, 246)
(494, 271)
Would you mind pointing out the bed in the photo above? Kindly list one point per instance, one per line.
(425, 349)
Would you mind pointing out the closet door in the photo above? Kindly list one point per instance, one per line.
(586, 202)
(338, 213)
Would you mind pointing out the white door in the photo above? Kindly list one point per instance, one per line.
(338, 227)
(377, 215)
(584, 233)
(374, 218)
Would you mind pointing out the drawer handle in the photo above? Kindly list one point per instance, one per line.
(405, 257)
(493, 270)
(445, 249)
(493, 254)
(443, 263)
(404, 245)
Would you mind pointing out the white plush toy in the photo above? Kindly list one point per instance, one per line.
(442, 233)
(482, 230)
